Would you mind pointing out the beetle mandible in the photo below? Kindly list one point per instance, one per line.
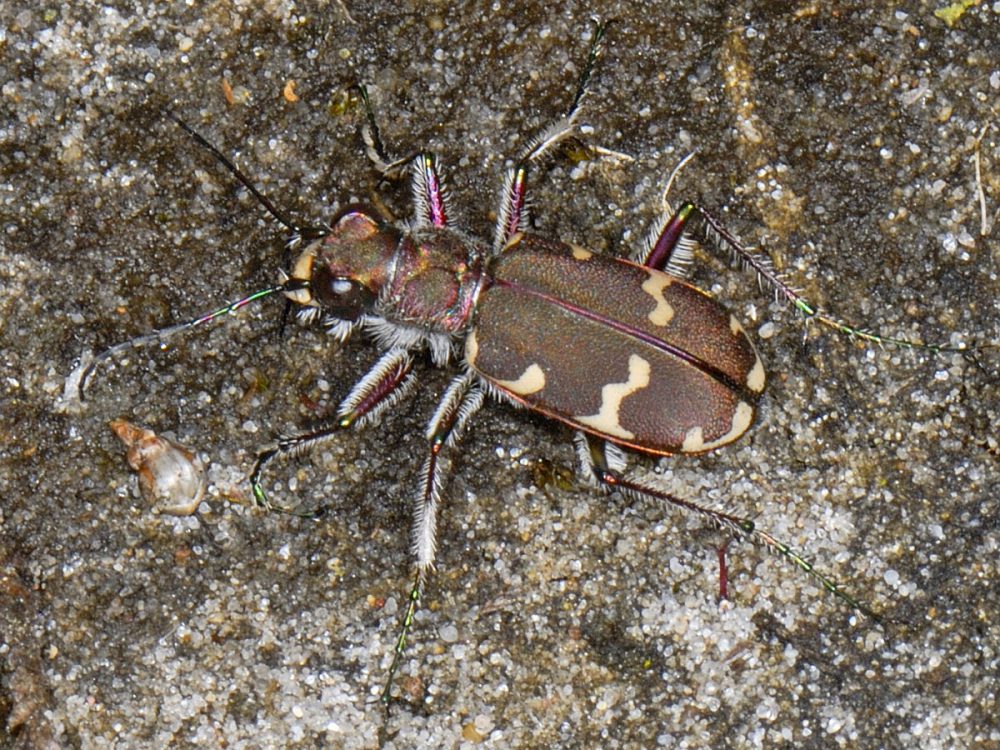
(671, 370)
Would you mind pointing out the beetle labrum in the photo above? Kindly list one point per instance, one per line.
(671, 371)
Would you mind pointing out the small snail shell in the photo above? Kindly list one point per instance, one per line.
(171, 477)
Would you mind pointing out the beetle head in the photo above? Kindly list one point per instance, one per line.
(342, 272)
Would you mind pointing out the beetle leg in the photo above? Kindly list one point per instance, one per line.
(770, 278)
(670, 249)
(389, 168)
(389, 380)
(513, 214)
(723, 570)
(597, 464)
(673, 248)
(429, 195)
(461, 400)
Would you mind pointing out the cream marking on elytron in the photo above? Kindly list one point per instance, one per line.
(612, 395)
(531, 381)
(694, 441)
(515, 239)
(756, 377)
(736, 327)
(654, 285)
(580, 253)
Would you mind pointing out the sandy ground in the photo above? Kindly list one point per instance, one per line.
(843, 139)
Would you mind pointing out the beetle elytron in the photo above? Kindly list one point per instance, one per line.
(668, 369)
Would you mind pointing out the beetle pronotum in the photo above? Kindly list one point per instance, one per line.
(676, 372)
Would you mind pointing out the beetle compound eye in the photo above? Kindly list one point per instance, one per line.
(342, 297)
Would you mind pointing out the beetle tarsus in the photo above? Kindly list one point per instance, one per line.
(260, 498)
(398, 650)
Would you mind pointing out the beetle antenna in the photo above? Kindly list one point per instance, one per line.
(298, 233)
(283, 218)
(162, 334)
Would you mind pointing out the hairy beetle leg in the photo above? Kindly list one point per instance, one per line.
(429, 194)
(768, 277)
(604, 464)
(461, 400)
(672, 251)
(388, 381)
(512, 215)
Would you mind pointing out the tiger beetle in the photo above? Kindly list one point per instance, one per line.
(669, 370)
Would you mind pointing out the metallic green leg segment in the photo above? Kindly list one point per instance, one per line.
(404, 631)
(596, 465)
(761, 265)
(512, 213)
(460, 401)
(787, 552)
(384, 384)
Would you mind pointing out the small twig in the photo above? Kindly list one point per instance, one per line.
(670, 182)
(343, 7)
(985, 225)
